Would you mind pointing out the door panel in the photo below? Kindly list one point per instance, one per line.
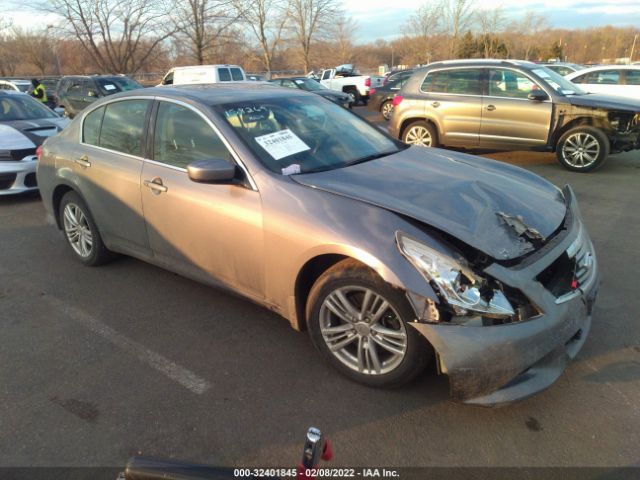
(213, 231)
(509, 118)
(452, 99)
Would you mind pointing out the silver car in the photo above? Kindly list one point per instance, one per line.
(391, 256)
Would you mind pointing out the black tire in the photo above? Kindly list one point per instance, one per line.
(350, 274)
(357, 97)
(98, 253)
(582, 149)
(385, 109)
(430, 134)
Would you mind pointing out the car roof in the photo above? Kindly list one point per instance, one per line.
(599, 68)
(15, 81)
(482, 62)
(214, 93)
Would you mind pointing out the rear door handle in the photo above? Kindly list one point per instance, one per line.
(491, 108)
(83, 161)
(435, 104)
(155, 185)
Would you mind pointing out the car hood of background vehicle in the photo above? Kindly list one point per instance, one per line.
(22, 134)
(330, 94)
(610, 102)
(456, 193)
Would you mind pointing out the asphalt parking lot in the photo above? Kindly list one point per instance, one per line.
(99, 363)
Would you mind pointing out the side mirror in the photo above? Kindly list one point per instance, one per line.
(215, 170)
(538, 95)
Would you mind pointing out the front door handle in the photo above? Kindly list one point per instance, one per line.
(83, 161)
(491, 108)
(435, 104)
(155, 185)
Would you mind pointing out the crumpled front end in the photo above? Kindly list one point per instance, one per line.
(490, 364)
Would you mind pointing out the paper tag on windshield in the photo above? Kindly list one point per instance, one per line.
(299, 82)
(282, 144)
(291, 169)
(109, 87)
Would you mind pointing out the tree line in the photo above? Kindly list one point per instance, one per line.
(135, 36)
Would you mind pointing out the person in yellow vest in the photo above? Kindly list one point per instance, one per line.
(39, 91)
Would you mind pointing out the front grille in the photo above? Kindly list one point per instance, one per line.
(30, 180)
(16, 155)
(571, 270)
(6, 180)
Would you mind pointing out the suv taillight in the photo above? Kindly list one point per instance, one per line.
(367, 82)
(396, 100)
(39, 152)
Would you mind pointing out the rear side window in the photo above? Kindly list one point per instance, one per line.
(579, 78)
(236, 74)
(632, 77)
(123, 125)
(510, 84)
(224, 75)
(91, 127)
(604, 77)
(182, 136)
(462, 82)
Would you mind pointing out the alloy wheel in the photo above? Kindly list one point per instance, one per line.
(77, 230)
(387, 108)
(362, 330)
(581, 150)
(419, 135)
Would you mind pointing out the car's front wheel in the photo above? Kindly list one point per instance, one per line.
(420, 133)
(582, 149)
(360, 325)
(81, 232)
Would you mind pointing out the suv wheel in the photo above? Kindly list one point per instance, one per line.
(582, 149)
(81, 232)
(360, 325)
(420, 133)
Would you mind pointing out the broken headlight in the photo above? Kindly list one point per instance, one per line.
(464, 291)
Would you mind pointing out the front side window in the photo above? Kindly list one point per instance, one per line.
(461, 82)
(224, 75)
(182, 136)
(91, 127)
(304, 135)
(123, 125)
(510, 84)
(604, 77)
(326, 75)
(168, 80)
(236, 74)
(632, 77)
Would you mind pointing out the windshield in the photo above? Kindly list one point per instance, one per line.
(113, 85)
(556, 81)
(309, 84)
(22, 107)
(302, 134)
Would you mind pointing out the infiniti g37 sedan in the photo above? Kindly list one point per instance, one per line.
(390, 255)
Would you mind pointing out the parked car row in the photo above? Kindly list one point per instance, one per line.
(514, 105)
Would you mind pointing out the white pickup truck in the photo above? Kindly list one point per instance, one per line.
(345, 79)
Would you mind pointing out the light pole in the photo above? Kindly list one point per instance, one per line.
(633, 47)
(55, 51)
(392, 58)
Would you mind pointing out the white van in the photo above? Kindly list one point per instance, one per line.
(204, 74)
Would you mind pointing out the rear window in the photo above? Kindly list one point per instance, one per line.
(632, 77)
(236, 74)
(604, 77)
(463, 82)
(224, 75)
(123, 125)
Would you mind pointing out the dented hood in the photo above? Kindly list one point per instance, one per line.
(456, 193)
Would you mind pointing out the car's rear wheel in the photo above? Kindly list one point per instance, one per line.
(386, 108)
(420, 133)
(360, 325)
(582, 149)
(81, 231)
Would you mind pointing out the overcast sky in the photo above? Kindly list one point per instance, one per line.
(379, 19)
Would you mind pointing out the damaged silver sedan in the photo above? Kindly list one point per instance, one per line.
(391, 256)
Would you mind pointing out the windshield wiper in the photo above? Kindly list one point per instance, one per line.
(351, 163)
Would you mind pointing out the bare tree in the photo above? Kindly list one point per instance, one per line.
(310, 19)
(422, 26)
(266, 20)
(343, 32)
(120, 36)
(9, 56)
(35, 48)
(202, 23)
(528, 39)
(490, 23)
(456, 19)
